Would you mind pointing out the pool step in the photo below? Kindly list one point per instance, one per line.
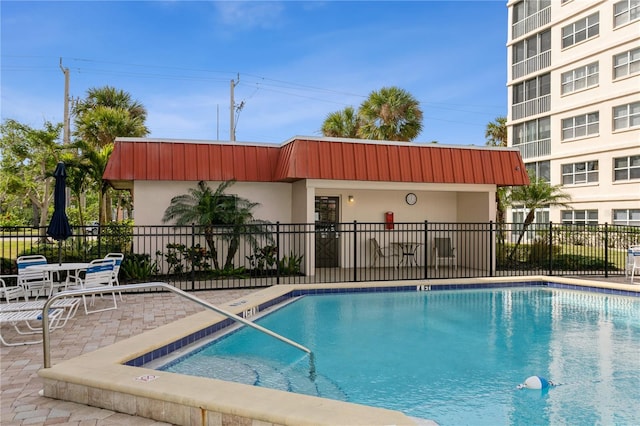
(259, 372)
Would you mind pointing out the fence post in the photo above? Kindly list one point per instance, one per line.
(193, 244)
(426, 251)
(550, 248)
(278, 252)
(99, 239)
(491, 249)
(355, 250)
(606, 250)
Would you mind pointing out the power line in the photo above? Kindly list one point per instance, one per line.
(259, 83)
(225, 76)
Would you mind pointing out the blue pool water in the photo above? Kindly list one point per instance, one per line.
(452, 356)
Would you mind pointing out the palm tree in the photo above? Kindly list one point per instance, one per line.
(390, 114)
(496, 132)
(496, 135)
(94, 162)
(341, 124)
(105, 114)
(221, 215)
(538, 194)
(79, 175)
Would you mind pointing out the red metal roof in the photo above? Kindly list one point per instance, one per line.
(310, 158)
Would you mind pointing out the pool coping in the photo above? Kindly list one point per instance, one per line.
(102, 378)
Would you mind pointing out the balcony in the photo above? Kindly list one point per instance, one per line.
(532, 107)
(530, 65)
(532, 22)
(533, 149)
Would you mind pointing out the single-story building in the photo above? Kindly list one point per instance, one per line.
(307, 180)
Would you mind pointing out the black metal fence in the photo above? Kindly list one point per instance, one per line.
(196, 257)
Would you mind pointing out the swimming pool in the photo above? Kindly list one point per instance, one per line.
(452, 356)
(115, 377)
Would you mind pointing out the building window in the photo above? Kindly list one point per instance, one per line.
(533, 138)
(532, 46)
(626, 63)
(626, 168)
(626, 217)
(540, 169)
(581, 125)
(526, 8)
(625, 11)
(577, 173)
(532, 89)
(519, 213)
(581, 30)
(580, 217)
(518, 216)
(531, 131)
(626, 116)
(580, 78)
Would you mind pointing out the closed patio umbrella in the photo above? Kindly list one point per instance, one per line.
(59, 228)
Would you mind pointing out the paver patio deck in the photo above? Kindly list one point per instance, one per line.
(20, 402)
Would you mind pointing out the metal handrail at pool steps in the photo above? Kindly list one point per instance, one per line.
(157, 285)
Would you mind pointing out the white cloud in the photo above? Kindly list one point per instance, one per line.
(248, 15)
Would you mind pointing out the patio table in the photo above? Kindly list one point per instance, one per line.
(52, 268)
(407, 251)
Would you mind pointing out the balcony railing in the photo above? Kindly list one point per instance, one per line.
(533, 149)
(531, 23)
(533, 64)
(532, 107)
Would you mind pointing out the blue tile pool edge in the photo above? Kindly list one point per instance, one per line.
(214, 328)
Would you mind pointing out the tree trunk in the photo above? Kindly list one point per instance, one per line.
(211, 243)
(527, 221)
(233, 249)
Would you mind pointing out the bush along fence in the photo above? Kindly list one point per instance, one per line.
(211, 257)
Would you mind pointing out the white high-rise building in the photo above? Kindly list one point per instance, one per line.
(574, 104)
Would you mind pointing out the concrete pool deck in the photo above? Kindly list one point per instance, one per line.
(21, 403)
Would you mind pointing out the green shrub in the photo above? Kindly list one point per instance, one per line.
(575, 262)
(539, 252)
(182, 259)
(263, 258)
(290, 265)
(138, 267)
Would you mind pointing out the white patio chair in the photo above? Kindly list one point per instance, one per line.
(34, 281)
(9, 293)
(632, 252)
(377, 251)
(98, 274)
(635, 267)
(118, 258)
(15, 318)
(69, 306)
(444, 251)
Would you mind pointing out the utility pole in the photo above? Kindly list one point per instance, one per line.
(232, 108)
(66, 137)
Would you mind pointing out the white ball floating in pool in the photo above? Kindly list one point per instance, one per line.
(535, 382)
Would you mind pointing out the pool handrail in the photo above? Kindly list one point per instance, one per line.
(46, 346)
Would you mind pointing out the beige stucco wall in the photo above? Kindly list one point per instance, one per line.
(295, 203)
(151, 198)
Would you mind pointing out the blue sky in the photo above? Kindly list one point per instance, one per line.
(297, 61)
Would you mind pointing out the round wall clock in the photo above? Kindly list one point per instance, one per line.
(411, 198)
